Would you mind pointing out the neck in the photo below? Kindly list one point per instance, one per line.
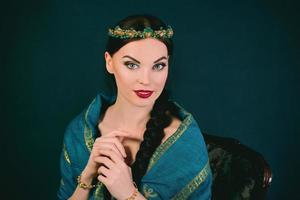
(128, 117)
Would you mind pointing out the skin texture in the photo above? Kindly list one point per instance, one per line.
(129, 115)
(139, 73)
(145, 75)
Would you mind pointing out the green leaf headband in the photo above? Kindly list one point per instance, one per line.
(146, 33)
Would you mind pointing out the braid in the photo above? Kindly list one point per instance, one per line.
(160, 118)
(154, 134)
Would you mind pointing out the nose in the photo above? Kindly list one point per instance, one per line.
(144, 77)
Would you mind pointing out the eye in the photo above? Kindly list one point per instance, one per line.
(159, 66)
(130, 65)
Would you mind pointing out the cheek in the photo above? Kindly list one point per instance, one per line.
(123, 77)
(160, 79)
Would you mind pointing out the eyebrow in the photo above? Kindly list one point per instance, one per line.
(140, 62)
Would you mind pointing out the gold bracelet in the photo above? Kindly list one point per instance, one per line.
(83, 185)
(132, 197)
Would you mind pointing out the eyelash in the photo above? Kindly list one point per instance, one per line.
(130, 63)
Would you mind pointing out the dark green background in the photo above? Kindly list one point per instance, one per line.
(236, 68)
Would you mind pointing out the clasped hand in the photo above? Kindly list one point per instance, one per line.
(107, 162)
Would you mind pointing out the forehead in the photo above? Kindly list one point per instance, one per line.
(143, 49)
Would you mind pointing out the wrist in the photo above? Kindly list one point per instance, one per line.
(85, 180)
(87, 175)
(133, 194)
(83, 184)
(140, 196)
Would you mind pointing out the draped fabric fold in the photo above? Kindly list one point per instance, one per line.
(178, 169)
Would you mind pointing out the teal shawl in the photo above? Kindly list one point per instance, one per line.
(178, 169)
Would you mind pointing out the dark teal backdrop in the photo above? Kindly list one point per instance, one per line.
(236, 68)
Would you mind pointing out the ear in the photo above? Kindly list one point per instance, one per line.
(109, 65)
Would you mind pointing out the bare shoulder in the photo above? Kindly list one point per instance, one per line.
(171, 129)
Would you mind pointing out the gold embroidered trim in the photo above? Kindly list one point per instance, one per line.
(89, 141)
(62, 182)
(66, 155)
(98, 195)
(194, 184)
(88, 137)
(148, 192)
(162, 148)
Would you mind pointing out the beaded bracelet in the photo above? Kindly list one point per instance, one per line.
(132, 197)
(83, 185)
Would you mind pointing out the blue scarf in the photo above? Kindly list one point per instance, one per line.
(178, 169)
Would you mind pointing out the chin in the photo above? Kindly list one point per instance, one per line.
(140, 102)
(144, 102)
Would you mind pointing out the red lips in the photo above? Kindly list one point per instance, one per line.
(143, 93)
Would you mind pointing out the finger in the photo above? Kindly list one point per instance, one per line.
(109, 146)
(117, 133)
(103, 171)
(130, 171)
(104, 160)
(103, 179)
(116, 142)
(120, 134)
(112, 155)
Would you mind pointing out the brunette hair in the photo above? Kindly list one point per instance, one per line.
(163, 109)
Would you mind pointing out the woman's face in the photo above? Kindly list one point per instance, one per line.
(139, 65)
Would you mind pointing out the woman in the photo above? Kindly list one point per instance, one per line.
(137, 143)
